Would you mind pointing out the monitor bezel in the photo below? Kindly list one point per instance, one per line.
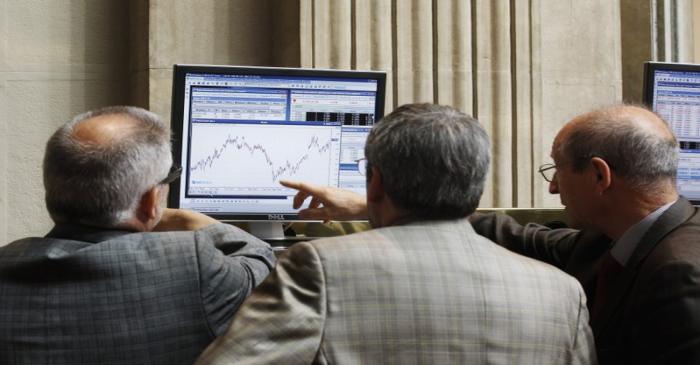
(648, 89)
(176, 119)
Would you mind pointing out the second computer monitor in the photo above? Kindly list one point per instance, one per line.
(673, 91)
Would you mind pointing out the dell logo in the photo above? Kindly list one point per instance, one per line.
(275, 217)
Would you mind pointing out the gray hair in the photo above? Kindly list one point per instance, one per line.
(101, 184)
(433, 160)
(643, 158)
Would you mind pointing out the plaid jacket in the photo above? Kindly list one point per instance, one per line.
(423, 293)
(84, 296)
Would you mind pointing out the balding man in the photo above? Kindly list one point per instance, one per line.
(101, 287)
(638, 253)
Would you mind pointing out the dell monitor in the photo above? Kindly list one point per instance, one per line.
(238, 131)
(672, 90)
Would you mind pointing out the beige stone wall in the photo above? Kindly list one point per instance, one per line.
(60, 57)
(205, 32)
(578, 69)
(57, 58)
(522, 68)
(696, 30)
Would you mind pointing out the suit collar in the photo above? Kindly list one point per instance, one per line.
(674, 216)
(625, 246)
(79, 232)
(435, 222)
(461, 226)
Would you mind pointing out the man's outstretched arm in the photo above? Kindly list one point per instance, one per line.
(183, 220)
(282, 321)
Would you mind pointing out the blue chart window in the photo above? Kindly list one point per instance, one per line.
(246, 133)
(676, 97)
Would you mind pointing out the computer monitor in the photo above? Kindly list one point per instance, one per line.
(239, 130)
(673, 91)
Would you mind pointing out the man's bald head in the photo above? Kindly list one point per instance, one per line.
(637, 144)
(98, 165)
(105, 129)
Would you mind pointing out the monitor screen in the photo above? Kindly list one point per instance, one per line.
(673, 91)
(238, 131)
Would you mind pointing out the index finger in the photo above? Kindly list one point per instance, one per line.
(309, 189)
(299, 199)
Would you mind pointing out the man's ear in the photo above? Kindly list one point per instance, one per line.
(603, 174)
(375, 186)
(148, 206)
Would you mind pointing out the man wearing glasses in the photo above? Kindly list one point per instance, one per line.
(637, 254)
(103, 287)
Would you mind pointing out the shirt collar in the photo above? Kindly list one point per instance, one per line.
(624, 247)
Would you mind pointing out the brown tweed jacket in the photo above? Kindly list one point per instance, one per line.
(423, 293)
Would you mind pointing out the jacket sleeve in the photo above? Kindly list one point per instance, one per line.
(282, 321)
(553, 246)
(226, 279)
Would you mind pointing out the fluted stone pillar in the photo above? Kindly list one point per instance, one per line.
(521, 67)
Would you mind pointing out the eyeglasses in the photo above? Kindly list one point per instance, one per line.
(548, 171)
(173, 174)
(362, 166)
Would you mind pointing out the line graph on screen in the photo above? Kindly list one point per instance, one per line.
(243, 157)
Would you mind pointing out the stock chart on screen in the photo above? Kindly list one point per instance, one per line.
(240, 130)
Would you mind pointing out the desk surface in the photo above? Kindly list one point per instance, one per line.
(313, 230)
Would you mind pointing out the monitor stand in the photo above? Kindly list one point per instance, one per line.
(267, 230)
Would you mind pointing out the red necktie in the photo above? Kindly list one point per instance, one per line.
(609, 269)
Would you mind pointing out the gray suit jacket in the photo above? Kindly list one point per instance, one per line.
(652, 315)
(86, 296)
(423, 293)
